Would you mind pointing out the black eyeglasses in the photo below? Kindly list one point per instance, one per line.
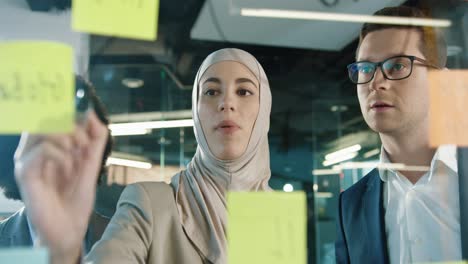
(394, 68)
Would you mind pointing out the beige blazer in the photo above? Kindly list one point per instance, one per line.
(145, 229)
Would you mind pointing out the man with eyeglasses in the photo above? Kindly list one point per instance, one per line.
(393, 215)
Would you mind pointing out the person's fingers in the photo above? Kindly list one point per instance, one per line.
(91, 164)
(67, 142)
(46, 169)
(62, 141)
(98, 134)
(30, 166)
(96, 129)
(27, 141)
(80, 137)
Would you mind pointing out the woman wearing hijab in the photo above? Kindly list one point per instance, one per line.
(184, 222)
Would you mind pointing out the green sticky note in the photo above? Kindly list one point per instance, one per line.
(122, 18)
(36, 87)
(24, 256)
(267, 227)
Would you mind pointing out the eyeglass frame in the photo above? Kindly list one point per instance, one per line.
(379, 65)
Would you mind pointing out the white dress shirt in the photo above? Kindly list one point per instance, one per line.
(422, 220)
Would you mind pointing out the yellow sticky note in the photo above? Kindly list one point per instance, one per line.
(267, 227)
(122, 18)
(36, 87)
(447, 115)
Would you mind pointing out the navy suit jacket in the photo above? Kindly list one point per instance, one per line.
(361, 223)
(14, 231)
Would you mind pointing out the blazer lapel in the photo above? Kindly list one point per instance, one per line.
(375, 220)
(462, 157)
(20, 230)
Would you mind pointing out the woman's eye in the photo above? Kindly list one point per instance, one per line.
(244, 92)
(211, 92)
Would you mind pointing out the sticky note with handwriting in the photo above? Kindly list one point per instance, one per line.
(447, 115)
(267, 227)
(36, 87)
(135, 19)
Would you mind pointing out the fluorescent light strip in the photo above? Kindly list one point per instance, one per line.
(342, 152)
(152, 124)
(323, 195)
(129, 131)
(340, 159)
(415, 168)
(356, 165)
(371, 153)
(371, 165)
(128, 163)
(310, 15)
(325, 172)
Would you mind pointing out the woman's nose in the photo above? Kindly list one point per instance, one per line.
(227, 103)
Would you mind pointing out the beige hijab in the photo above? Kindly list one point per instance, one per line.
(201, 189)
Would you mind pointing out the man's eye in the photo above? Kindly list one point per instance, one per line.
(394, 66)
(366, 69)
(398, 66)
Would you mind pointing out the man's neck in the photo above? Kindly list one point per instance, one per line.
(411, 149)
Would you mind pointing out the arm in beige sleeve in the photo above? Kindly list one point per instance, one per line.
(129, 234)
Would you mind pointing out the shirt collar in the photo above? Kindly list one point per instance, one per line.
(383, 160)
(445, 154)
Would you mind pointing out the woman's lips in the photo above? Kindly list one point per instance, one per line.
(228, 130)
(227, 127)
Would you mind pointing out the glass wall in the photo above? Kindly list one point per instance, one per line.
(318, 139)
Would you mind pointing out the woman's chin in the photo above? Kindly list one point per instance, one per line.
(229, 154)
